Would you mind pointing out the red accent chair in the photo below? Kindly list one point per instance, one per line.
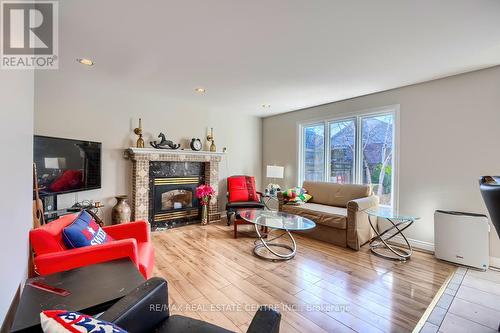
(241, 194)
(131, 240)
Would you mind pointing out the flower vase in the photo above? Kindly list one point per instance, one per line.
(204, 215)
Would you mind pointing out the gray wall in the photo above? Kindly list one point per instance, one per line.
(449, 136)
(16, 126)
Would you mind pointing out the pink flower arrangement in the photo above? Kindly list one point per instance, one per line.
(204, 193)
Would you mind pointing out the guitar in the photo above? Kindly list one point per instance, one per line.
(38, 218)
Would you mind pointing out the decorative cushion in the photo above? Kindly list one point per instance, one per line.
(242, 188)
(84, 231)
(61, 321)
(296, 195)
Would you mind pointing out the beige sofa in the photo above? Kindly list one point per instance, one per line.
(337, 210)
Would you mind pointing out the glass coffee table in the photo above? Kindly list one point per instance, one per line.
(379, 244)
(279, 221)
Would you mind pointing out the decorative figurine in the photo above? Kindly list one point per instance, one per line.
(196, 144)
(210, 138)
(164, 143)
(138, 131)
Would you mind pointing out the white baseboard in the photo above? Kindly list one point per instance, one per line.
(495, 262)
(418, 244)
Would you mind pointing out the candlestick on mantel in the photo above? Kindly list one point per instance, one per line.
(138, 131)
(211, 139)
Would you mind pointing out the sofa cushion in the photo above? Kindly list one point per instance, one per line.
(333, 194)
(84, 231)
(335, 217)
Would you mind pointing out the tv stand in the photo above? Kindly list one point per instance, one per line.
(51, 215)
(50, 207)
(55, 214)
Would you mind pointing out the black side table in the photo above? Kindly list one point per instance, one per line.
(93, 290)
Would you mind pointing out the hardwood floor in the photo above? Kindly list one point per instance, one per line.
(324, 288)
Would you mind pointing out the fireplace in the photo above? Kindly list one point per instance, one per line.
(163, 183)
(174, 198)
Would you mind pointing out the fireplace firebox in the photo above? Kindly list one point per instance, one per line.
(172, 193)
(175, 198)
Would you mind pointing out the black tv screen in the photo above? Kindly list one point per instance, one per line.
(66, 165)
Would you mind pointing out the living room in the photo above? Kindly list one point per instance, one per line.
(349, 153)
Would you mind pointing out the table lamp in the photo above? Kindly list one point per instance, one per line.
(274, 172)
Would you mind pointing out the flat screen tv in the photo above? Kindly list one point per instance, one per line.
(66, 165)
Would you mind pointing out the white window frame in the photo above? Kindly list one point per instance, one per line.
(357, 116)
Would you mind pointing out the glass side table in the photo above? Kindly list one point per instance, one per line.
(268, 198)
(379, 244)
(279, 221)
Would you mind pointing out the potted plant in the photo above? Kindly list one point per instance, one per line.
(204, 193)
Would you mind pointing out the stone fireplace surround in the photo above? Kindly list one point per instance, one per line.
(141, 158)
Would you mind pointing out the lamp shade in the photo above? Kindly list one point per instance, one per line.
(274, 171)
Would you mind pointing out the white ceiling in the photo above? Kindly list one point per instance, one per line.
(286, 53)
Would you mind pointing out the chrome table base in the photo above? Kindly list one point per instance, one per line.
(262, 243)
(380, 241)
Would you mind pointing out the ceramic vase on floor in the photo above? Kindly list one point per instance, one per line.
(121, 212)
(204, 215)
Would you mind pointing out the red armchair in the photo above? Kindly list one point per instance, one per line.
(241, 194)
(131, 240)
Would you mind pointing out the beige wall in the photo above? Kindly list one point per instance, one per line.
(16, 126)
(76, 102)
(449, 136)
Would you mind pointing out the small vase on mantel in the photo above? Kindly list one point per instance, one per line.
(204, 214)
(121, 211)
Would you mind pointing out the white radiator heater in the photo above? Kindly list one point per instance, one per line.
(462, 238)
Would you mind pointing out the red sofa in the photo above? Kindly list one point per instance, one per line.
(131, 240)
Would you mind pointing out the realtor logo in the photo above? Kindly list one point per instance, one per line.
(29, 35)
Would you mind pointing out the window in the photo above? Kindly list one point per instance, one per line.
(354, 150)
(314, 152)
(377, 136)
(343, 150)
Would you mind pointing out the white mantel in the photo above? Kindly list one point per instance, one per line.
(177, 152)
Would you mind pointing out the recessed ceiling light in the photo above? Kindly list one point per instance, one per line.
(200, 90)
(86, 62)
(266, 106)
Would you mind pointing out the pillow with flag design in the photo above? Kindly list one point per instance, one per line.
(63, 321)
(84, 231)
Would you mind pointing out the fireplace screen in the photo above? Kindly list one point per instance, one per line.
(176, 199)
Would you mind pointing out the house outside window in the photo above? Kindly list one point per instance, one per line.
(358, 149)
